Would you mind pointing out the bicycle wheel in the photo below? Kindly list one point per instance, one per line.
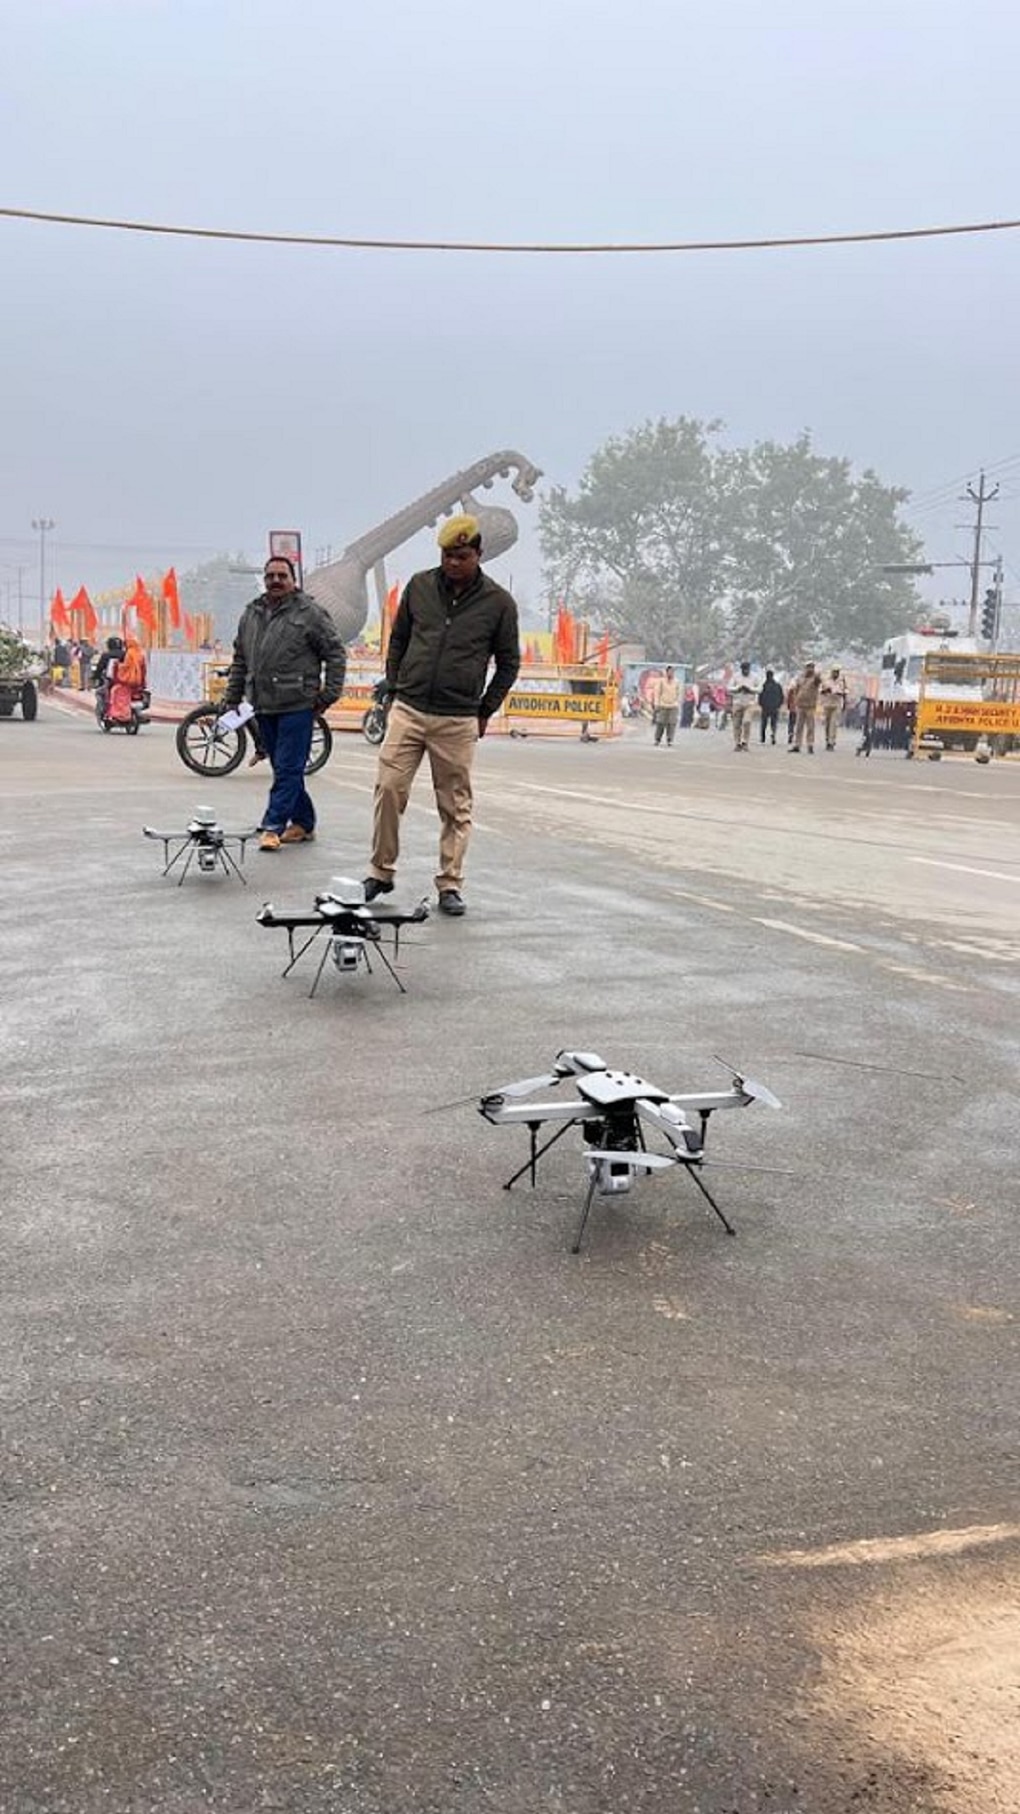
(322, 745)
(204, 749)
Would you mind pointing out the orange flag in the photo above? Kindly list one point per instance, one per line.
(172, 597)
(82, 602)
(189, 627)
(58, 613)
(141, 601)
(602, 653)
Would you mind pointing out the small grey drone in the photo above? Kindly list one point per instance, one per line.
(613, 1110)
(203, 841)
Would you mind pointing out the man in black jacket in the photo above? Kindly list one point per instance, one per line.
(290, 660)
(770, 699)
(451, 622)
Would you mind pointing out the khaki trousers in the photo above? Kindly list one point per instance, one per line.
(742, 717)
(831, 715)
(805, 728)
(450, 746)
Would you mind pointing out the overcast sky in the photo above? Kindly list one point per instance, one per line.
(167, 398)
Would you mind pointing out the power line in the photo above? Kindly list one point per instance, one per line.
(350, 244)
(158, 547)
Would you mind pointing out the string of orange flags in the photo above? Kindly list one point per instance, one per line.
(150, 614)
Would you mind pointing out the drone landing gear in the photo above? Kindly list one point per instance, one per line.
(531, 1163)
(219, 855)
(349, 952)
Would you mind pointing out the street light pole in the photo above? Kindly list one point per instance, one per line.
(980, 497)
(43, 524)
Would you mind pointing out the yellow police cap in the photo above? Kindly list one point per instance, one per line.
(458, 532)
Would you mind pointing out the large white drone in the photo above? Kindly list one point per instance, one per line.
(614, 1109)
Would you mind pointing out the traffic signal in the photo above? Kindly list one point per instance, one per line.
(989, 614)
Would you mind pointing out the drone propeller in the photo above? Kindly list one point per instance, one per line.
(737, 1165)
(522, 1088)
(758, 1092)
(525, 1086)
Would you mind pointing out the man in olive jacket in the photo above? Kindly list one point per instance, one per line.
(451, 622)
(290, 660)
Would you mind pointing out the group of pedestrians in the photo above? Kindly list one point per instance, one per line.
(808, 693)
(70, 663)
(289, 661)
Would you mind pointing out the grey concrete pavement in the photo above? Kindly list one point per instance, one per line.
(332, 1480)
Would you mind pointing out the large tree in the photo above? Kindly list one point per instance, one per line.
(703, 552)
(810, 541)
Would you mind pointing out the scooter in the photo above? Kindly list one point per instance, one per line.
(118, 709)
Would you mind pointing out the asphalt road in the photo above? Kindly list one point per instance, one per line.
(331, 1480)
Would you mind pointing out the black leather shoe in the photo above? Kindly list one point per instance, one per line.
(451, 902)
(374, 887)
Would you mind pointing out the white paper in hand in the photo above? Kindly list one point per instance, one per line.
(232, 721)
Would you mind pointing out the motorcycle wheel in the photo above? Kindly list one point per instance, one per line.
(322, 745)
(373, 724)
(204, 751)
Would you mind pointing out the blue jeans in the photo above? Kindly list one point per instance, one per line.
(287, 737)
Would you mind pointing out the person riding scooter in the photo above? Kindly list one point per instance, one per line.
(115, 648)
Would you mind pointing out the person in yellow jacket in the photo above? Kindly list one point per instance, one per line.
(665, 693)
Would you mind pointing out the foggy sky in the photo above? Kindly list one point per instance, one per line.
(166, 399)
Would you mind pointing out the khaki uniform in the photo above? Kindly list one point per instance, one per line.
(833, 697)
(808, 688)
(666, 707)
(449, 744)
(744, 694)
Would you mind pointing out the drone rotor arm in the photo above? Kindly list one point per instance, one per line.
(496, 1109)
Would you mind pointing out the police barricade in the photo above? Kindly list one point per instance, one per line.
(547, 701)
(965, 723)
(983, 718)
(888, 726)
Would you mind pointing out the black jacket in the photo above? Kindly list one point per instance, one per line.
(280, 652)
(441, 645)
(771, 696)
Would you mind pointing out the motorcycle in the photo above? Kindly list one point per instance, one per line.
(373, 724)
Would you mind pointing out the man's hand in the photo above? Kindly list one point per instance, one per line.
(483, 724)
(322, 702)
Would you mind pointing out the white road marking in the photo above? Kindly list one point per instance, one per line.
(996, 875)
(894, 1549)
(813, 938)
(703, 900)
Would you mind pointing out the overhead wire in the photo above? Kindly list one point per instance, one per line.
(347, 242)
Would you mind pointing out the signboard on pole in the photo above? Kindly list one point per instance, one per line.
(285, 544)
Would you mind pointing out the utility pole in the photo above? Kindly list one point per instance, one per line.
(980, 497)
(43, 524)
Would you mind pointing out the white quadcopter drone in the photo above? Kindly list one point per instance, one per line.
(613, 1110)
(203, 841)
(348, 926)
